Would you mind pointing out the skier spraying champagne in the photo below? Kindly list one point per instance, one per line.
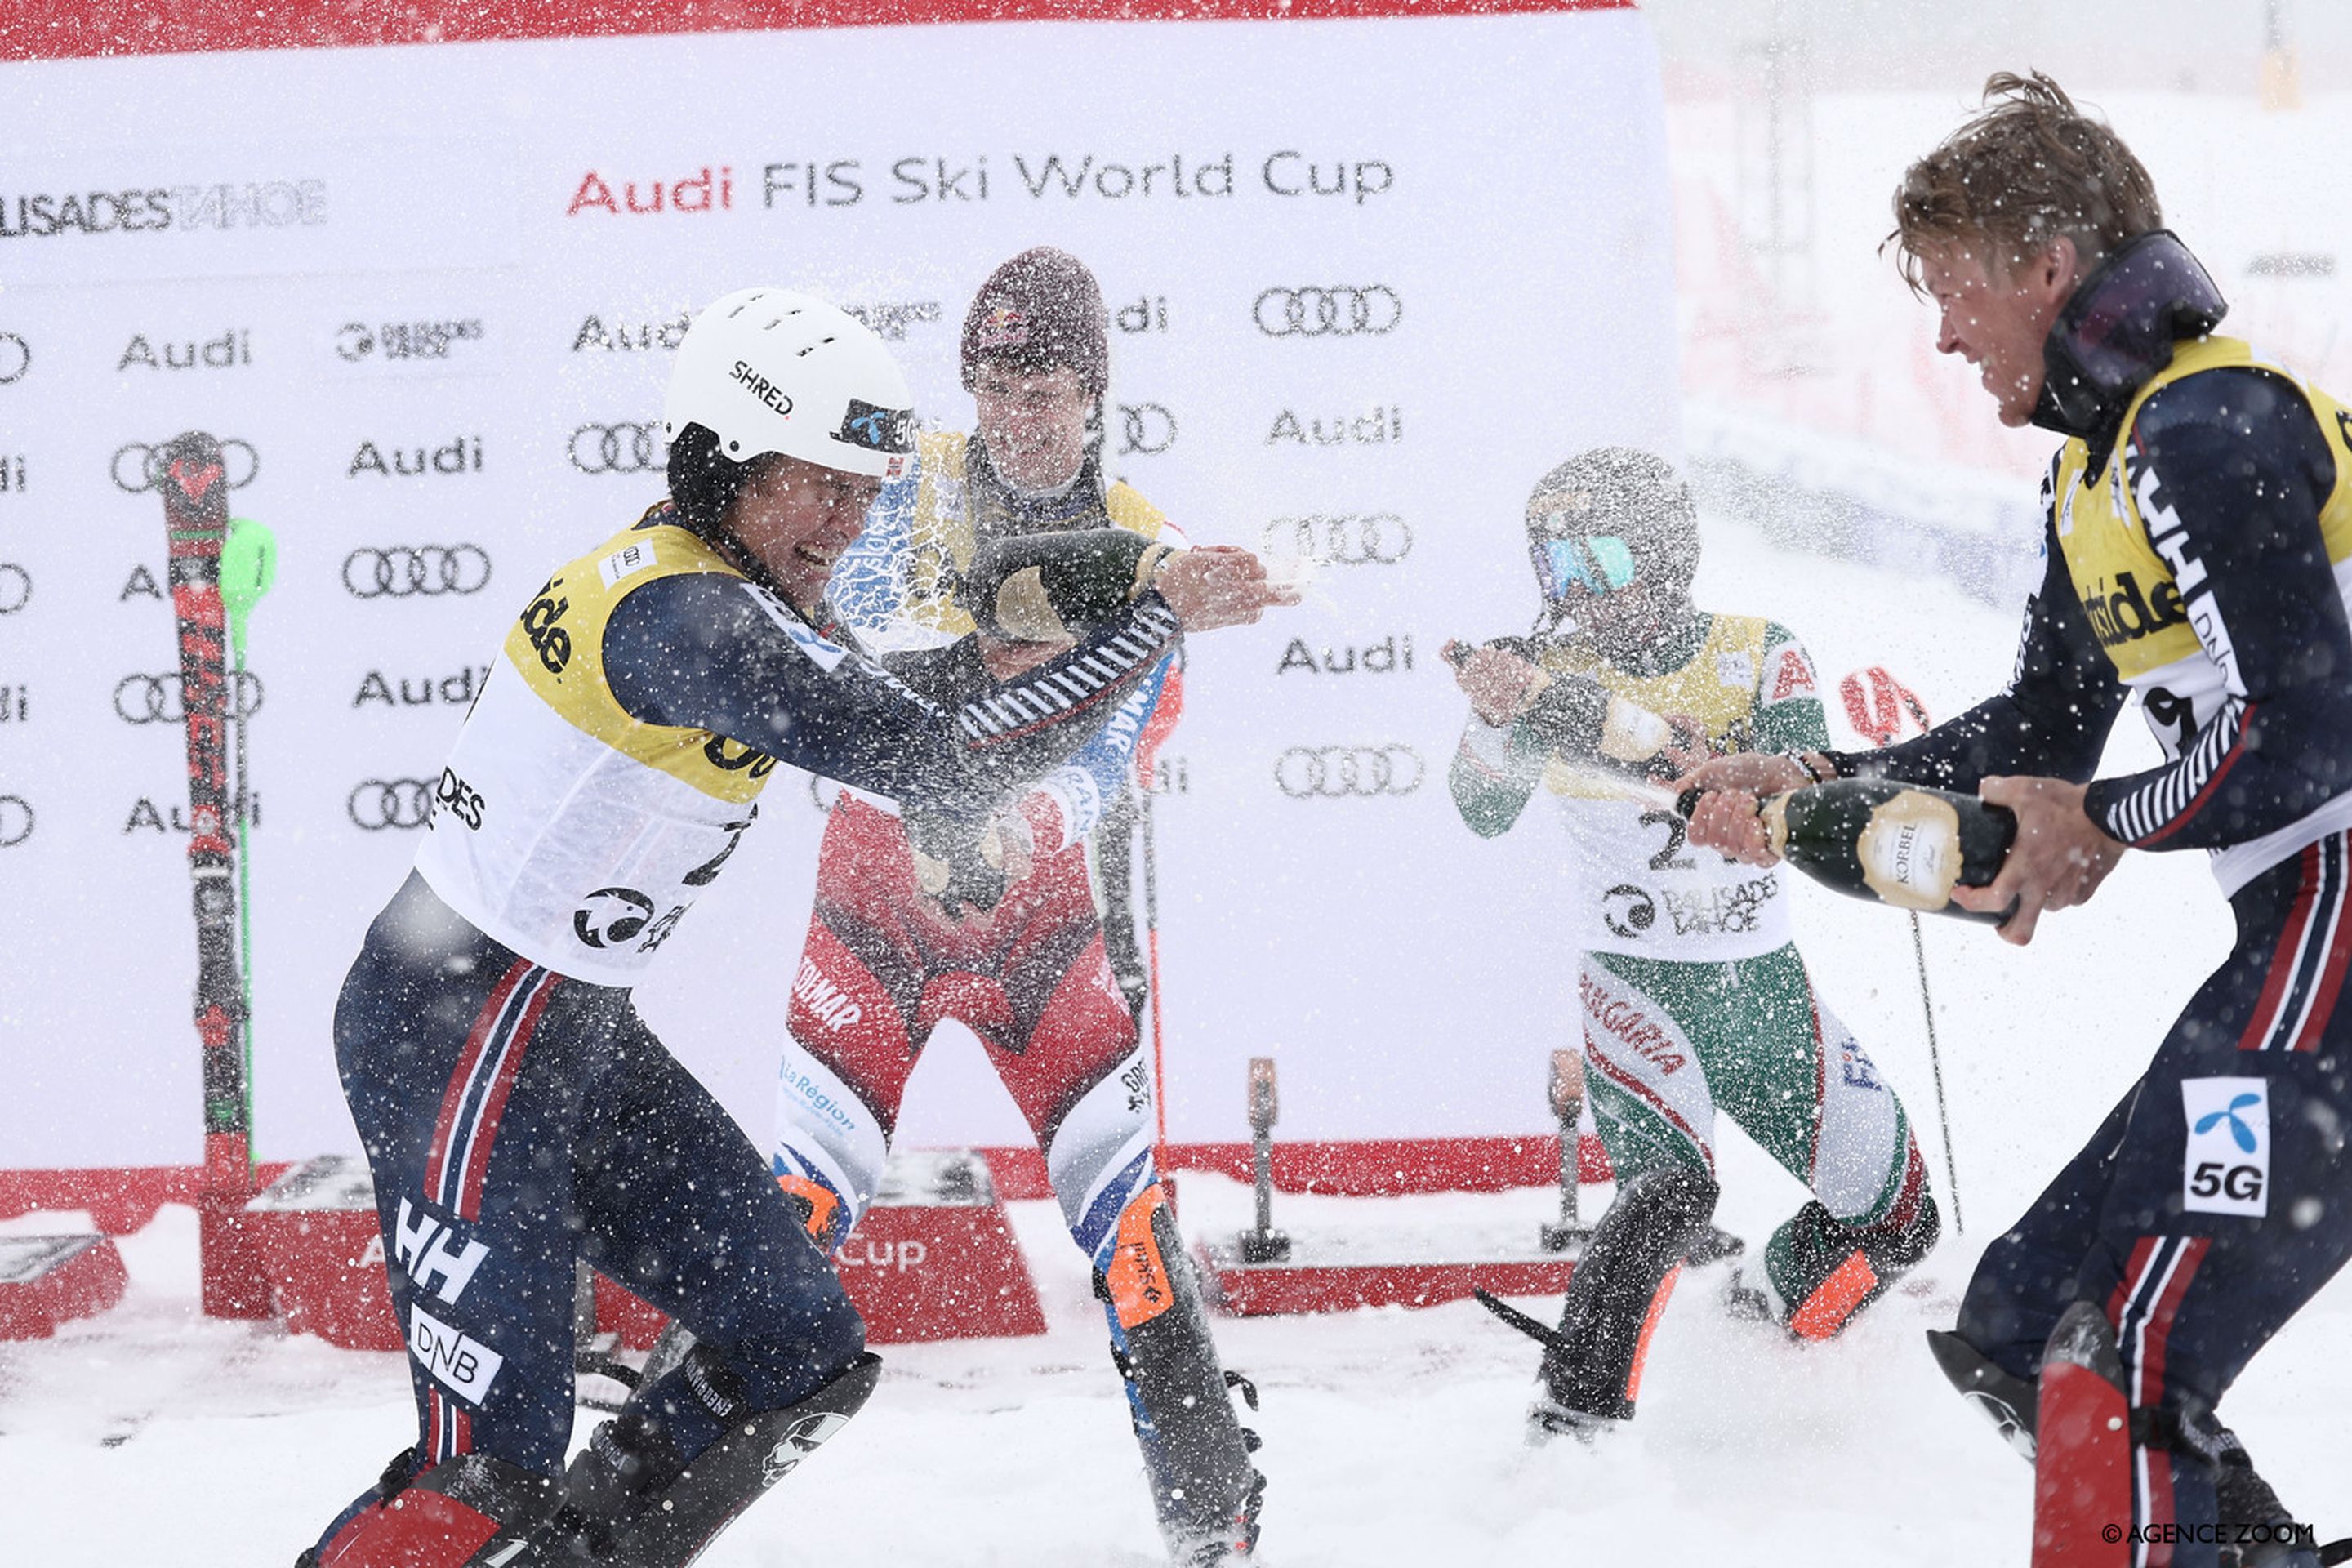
(2197, 548)
(1693, 993)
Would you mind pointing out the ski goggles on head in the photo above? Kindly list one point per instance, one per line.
(1596, 562)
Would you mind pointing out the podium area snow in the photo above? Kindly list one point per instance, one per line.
(150, 1434)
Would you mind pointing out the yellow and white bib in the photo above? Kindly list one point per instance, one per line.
(1637, 885)
(2114, 538)
(563, 827)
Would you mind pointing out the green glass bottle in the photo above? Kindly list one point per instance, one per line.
(1041, 587)
(1900, 843)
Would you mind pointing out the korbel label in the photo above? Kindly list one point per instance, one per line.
(1910, 851)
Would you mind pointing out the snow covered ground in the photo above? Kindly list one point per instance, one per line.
(151, 1436)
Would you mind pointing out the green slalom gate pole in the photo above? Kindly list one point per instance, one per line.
(248, 565)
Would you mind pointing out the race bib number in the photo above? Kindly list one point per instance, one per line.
(2227, 1167)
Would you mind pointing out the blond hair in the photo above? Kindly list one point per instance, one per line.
(2029, 169)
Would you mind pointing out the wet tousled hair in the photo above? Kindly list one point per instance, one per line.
(703, 480)
(2029, 169)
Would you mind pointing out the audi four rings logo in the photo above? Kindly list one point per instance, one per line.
(147, 470)
(618, 449)
(1305, 772)
(1149, 428)
(15, 359)
(1343, 538)
(404, 571)
(16, 820)
(378, 804)
(158, 699)
(1341, 311)
(16, 587)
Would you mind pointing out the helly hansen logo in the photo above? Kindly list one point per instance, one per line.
(430, 1253)
(458, 1362)
(2192, 590)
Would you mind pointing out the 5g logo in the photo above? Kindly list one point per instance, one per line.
(2226, 1167)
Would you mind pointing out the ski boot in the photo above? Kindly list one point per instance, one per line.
(632, 1500)
(1818, 1272)
(1592, 1363)
(464, 1512)
(1205, 1485)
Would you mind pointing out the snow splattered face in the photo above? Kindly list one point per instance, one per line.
(1996, 315)
(1033, 423)
(798, 517)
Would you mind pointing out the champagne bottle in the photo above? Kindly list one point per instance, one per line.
(1587, 727)
(1041, 587)
(1901, 844)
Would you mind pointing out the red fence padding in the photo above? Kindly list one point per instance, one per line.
(74, 29)
(87, 1280)
(1376, 1167)
(123, 1200)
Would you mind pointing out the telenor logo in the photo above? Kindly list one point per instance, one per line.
(767, 391)
(876, 428)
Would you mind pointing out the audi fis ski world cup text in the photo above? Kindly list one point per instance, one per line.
(917, 180)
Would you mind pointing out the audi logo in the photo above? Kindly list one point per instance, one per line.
(618, 449)
(1149, 428)
(16, 587)
(404, 571)
(376, 804)
(1338, 311)
(159, 699)
(16, 820)
(147, 468)
(1343, 538)
(15, 359)
(1307, 771)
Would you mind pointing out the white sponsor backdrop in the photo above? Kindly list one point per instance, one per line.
(408, 277)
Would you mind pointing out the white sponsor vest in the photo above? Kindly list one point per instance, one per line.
(564, 828)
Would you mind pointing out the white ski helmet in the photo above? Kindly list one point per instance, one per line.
(769, 369)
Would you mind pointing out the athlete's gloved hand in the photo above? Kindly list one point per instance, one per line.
(958, 868)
